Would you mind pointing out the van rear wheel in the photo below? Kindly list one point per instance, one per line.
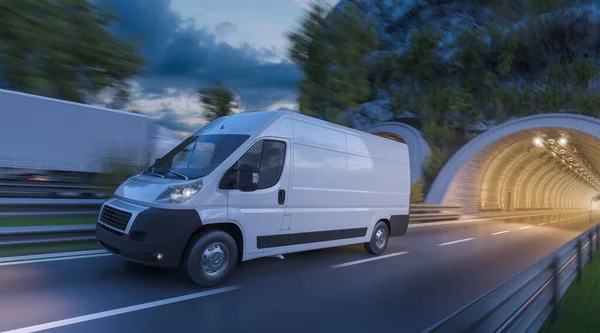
(379, 239)
(210, 258)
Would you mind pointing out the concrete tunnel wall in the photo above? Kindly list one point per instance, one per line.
(418, 148)
(504, 169)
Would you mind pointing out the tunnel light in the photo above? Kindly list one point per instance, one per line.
(563, 141)
(538, 141)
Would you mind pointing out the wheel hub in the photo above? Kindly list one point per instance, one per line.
(215, 259)
(380, 238)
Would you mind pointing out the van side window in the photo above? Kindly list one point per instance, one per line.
(268, 155)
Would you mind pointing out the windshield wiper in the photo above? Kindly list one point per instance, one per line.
(180, 175)
(156, 174)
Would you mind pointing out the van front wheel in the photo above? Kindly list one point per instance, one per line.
(210, 258)
(379, 239)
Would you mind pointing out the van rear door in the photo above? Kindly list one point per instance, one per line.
(261, 212)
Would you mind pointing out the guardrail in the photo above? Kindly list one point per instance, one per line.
(525, 302)
(428, 212)
(15, 236)
(46, 189)
(34, 208)
(19, 207)
(38, 207)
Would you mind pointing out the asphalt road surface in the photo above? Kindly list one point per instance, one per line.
(423, 277)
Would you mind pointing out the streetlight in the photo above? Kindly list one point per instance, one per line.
(563, 141)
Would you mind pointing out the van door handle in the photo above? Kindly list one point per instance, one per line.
(281, 197)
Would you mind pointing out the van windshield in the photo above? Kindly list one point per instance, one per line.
(196, 156)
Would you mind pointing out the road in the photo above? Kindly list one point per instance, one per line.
(423, 277)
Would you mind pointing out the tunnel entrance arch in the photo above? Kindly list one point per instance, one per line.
(538, 162)
(391, 136)
(418, 148)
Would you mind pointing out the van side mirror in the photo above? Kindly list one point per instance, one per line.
(247, 177)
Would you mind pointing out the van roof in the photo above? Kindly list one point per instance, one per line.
(240, 123)
(254, 122)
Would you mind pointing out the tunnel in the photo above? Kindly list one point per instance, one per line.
(418, 148)
(538, 162)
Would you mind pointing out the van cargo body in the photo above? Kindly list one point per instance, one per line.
(259, 184)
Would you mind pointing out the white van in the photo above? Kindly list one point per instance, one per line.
(259, 184)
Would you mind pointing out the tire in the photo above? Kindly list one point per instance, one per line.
(377, 245)
(212, 244)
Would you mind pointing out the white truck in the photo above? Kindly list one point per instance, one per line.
(50, 139)
(259, 184)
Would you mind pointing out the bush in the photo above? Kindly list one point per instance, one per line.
(433, 165)
(416, 192)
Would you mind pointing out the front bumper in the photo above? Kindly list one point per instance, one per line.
(150, 231)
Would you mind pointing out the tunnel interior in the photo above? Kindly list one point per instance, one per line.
(535, 169)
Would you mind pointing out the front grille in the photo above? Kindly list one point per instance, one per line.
(114, 217)
(112, 231)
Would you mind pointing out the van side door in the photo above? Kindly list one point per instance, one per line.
(260, 212)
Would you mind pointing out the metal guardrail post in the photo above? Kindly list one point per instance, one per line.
(579, 260)
(591, 237)
(555, 288)
(597, 240)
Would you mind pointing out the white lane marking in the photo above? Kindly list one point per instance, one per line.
(50, 255)
(525, 227)
(456, 241)
(369, 259)
(543, 223)
(114, 312)
(22, 262)
(499, 232)
(552, 221)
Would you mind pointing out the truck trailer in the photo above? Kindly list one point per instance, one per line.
(46, 139)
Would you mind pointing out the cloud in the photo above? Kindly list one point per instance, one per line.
(170, 120)
(225, 28)
(183, 56)
(306, 4)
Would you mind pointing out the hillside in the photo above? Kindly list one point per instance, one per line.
(532, 56)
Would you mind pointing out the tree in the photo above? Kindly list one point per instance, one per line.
(218, 101)
(330, 50)
(63, 49)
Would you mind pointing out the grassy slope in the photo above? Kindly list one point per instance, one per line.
(46, 221)
(48, 248)
(580, 306)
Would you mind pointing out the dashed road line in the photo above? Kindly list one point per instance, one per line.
(456, 241)
(50, 255)
(115, 312)
(351, 263)
(499, 232)
(525, 227)
(543, 223)
(23, 262)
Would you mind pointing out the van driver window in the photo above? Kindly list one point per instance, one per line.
(268, 155)
(271, 163)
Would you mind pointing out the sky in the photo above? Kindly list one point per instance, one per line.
(190, 43)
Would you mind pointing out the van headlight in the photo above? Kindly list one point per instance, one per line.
(180, 193)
